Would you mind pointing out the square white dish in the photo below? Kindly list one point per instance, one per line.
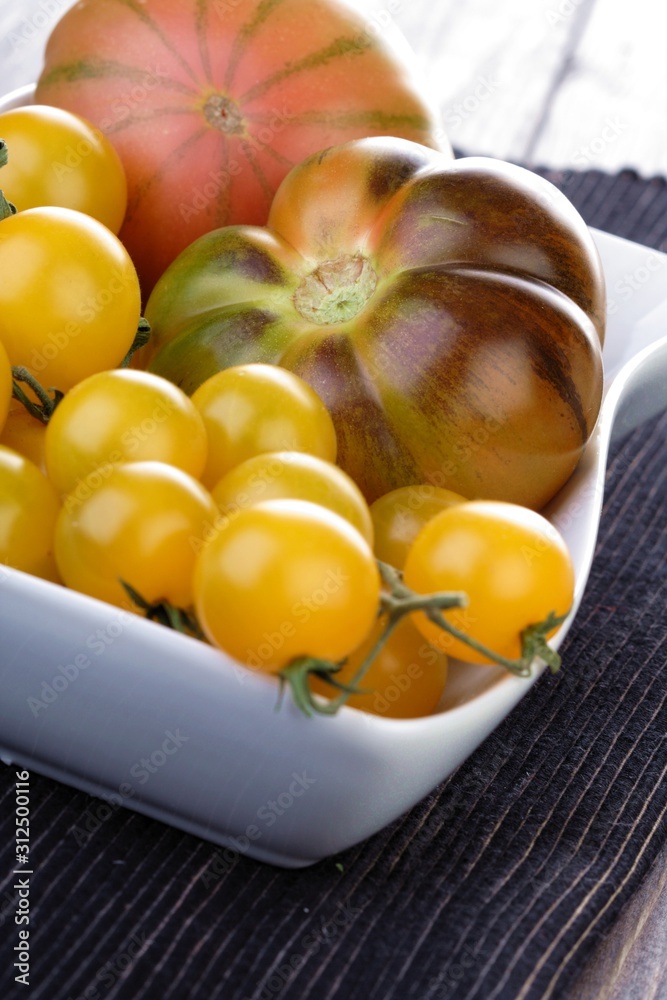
(126, 709)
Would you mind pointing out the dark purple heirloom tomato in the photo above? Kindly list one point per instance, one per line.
(449, 313)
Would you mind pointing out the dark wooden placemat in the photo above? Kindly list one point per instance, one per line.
(498, 885)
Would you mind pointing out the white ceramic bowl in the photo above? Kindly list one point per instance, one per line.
(127, 710)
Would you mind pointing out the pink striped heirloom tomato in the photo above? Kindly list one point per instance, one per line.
(448, 313)
(209, 104)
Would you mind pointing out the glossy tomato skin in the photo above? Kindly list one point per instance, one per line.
(25, 434)
(512, 564)
(249, 410)
(142, 524)
(399, 516)
(69, 299)
(284, 579)
(29, 508)
(449, 313)
(57, 158)
(5, 386)
(121, 416)
(218, 101)
(293, 475)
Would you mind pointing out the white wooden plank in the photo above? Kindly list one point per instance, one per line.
(629, 963)
(611, 109)
(24, 29)
(491, 66)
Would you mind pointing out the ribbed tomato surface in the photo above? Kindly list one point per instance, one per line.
(211, 102)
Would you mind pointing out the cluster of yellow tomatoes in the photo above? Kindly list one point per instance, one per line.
(228, 503)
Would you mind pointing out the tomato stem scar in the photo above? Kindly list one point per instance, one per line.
(224, 114)
(336, 291)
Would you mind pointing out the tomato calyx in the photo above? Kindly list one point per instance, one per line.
(6, 207)
(222, 113)
(164, 613)
(43, 408)
(534, 641)
(396, 602)
(336, 291)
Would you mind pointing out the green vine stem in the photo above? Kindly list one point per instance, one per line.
(48, 399)
(396, 602)
(41, 410)
(405, 600)
(178, 619)
(141, 338)
(6, 207)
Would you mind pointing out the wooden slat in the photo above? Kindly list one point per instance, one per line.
(576, 83)
(491, 65)
(611, 108)
(629, 964)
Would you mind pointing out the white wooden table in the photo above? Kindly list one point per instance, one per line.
(554, 83)
(561, 83)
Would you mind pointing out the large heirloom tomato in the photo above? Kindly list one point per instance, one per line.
(210, 102)
(448, 313)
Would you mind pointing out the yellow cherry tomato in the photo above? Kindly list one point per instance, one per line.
(511, 562)
(5, 385)
(399, 516)
(406, 679)
(25, 434)
(253, 409)
(58, 158)
(28, 510)
(121, 416)
(142, 524)
(286, 578)
(293, 475)
(69, 295)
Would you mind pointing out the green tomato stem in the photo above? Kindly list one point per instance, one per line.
(397, 602)
(406, 601)
(382, 640)
(6, 207)
(141, 338)
(165, 613)
(43, 410)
